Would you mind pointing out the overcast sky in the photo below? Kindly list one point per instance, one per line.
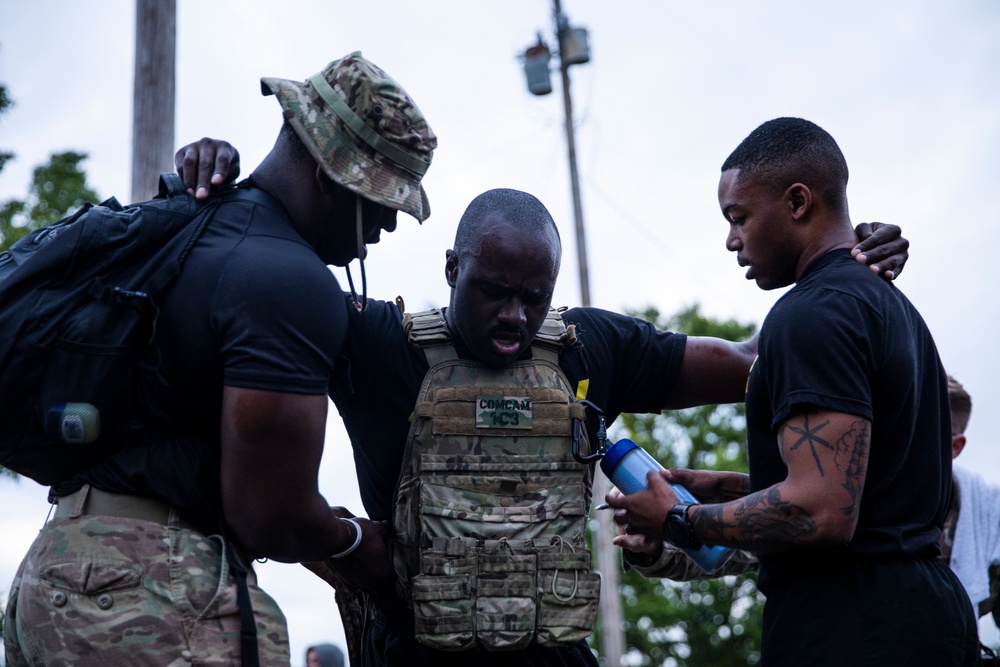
(907, 87)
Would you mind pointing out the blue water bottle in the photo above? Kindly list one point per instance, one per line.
(626, 465)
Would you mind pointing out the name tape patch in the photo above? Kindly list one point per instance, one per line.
(503, 412)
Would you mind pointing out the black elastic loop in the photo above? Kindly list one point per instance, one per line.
(602, 435)
(249, 656)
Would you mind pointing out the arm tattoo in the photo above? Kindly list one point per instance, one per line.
(768, 520)
(808, 436)
(851, 458)
(708, 522)
(764, 522)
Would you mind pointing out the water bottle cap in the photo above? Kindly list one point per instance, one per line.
(615, 453)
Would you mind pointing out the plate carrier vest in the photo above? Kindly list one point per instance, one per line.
(491, 506)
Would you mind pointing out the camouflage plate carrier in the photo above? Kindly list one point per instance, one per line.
(491, 506)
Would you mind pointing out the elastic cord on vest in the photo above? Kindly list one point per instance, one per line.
(357, 540)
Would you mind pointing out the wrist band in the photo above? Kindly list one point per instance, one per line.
(357, 540)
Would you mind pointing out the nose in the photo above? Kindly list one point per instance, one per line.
(733, 242)
(512, 312)
(389, 223)
(386, 221)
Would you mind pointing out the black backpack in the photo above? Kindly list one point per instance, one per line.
(77, 302)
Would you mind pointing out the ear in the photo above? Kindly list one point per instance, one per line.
(451, 267)
(799, 199)
(957, 445)
(324, 182)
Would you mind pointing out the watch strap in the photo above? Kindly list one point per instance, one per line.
(678, 529)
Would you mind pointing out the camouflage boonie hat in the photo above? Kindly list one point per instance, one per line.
(364, 129)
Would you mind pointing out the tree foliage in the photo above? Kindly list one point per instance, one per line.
(707, 623)
(57, 188)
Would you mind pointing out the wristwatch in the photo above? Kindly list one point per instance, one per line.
(677, 528)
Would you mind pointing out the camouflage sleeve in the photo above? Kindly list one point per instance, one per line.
(674, 564)
(352, 603)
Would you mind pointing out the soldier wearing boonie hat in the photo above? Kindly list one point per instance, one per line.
(363, 129)
(248, 334)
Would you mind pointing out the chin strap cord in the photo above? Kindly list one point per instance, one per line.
(362, 251)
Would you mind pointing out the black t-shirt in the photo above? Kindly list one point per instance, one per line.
(843, 339)
(626, 365)
(254, 307)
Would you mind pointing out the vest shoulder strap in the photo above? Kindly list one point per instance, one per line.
(428, 330)
(553, 337)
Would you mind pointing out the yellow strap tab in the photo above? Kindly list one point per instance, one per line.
(582, 388)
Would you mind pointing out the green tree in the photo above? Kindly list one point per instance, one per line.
(57, 188)
(713, 622)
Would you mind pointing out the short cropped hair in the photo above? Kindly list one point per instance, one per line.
(961, 406)
(784, 151)
(521, 209)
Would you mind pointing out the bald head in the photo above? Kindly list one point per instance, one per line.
(502, 273)
(517, 210)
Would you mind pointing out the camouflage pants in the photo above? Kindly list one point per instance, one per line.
(103, 591)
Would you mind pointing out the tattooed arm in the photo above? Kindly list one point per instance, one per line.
(827, 456)
(639, 527)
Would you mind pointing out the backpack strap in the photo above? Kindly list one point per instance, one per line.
(172, 186)
(244, 191)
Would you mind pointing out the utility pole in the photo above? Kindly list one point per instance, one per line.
(153, 94)
(562, 29)
(574, 50)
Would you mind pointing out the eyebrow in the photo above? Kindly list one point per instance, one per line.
(727, 208)
(506, 289)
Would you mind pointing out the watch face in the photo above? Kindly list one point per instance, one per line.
(677, 528)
